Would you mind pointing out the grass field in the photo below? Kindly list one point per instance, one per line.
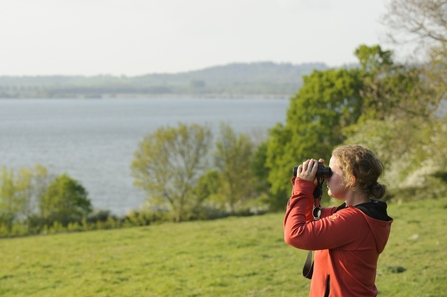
(227, 257)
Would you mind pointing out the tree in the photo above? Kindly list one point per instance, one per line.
(21, 193)
(410, 135)
(413, 152)
(206, 194)
(10, 203)
(169, 162)
(422, 24)
(207, 186)
(260, 170)
(328, 102)
(392, 89)
(65, 201)
(398, 121)
(232, 158)
(31, 185)
(422, 21)
(393, 94)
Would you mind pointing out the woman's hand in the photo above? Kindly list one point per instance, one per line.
(308, 170)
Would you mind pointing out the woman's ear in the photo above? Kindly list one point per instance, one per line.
(351, 182)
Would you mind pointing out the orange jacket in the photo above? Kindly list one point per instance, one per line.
(347, 244)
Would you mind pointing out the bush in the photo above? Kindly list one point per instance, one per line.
(100, 215)
(65, 201)
(434, 187)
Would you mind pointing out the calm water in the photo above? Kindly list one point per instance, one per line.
(93, 141)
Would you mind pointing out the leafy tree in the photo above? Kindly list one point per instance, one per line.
(10, 203)
(413, 151)
(373, 59)
(392, 89)
(32, 184)
(402, 127)
(408, 127)
(233, 157)
(260, 170)
(393, 94)
(65, 201)
(206, 194)
(207, 186)
(168, 164)
(21, 193)
(328, 102)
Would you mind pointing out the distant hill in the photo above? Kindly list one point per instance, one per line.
(233, 80)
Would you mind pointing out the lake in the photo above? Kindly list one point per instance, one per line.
(93, 140)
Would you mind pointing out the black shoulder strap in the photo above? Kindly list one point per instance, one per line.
(308, 268)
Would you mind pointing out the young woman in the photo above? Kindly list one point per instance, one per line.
(348, 239)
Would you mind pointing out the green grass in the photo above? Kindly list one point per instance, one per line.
(228, 257)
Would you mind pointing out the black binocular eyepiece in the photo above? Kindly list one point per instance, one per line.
(323, 171)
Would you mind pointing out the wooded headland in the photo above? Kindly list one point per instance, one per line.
(265, 79)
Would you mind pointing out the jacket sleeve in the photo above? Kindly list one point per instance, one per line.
(326, 233)
(327, 211)
(305, 192)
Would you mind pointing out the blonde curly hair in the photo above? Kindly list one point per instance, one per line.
(361, 169)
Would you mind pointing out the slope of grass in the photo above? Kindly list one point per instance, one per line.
(228, 257)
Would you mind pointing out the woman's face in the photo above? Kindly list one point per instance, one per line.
(336, 184)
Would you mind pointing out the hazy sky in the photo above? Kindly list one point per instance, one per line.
(134, 37)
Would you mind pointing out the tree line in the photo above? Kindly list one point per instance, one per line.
(31, 200)
(186, 175)
(392, 108)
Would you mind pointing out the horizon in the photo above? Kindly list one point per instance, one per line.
(176, 73)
